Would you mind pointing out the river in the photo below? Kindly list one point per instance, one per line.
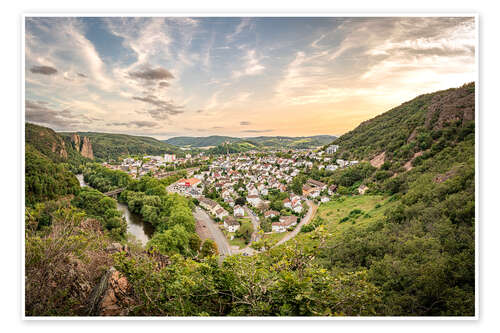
(141, 230)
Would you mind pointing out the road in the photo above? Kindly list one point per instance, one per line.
(216, 234)
(310, 213)
(255, 222)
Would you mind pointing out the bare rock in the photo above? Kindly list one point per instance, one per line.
(378, 160)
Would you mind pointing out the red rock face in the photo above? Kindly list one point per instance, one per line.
(75, 138)
(115, 301)
(87, 148)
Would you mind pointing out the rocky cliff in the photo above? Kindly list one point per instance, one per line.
(83, 146)
(75, 138)
(87, 148)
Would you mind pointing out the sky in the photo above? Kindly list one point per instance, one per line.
(241, 76)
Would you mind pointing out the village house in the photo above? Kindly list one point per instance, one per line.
(254, 200)
(270, 214)
(209, 205)
(221, 213)
(332, 149)
(231, 224)
(318, 184)
(284, 223)
(332, 189)
(287, 203)
(238, 211)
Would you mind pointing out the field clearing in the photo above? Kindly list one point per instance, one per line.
(372, 209)
(275, 237)
(236, 241)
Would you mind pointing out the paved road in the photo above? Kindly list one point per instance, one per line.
(255, 222)
(216, 234)
(310, 213)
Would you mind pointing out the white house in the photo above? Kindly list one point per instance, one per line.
(239, 211)
(254, 200)
(231, 224)
(284, 223)
(332, 149)
(221, 213)
(287, 203)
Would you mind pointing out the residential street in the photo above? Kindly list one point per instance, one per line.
(255, 222)
(310, 213)
(216, 234)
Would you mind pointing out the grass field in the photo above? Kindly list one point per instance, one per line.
(275, 237)
(356, 210)
(240, 242)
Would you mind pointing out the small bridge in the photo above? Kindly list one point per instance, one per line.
(114, 193)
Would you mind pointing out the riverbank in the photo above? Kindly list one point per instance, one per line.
(140, 230)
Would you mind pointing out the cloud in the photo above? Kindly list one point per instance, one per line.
(163, 109)
(152, 74)
(136, 123)
(245, 123)
(251, 67)
(373, 57)
(245, 22)
(258, 131)
(45, 70)
(81, 75)
(40, 112)
(163, 84)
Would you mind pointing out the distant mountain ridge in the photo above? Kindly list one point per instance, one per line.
(259, 141)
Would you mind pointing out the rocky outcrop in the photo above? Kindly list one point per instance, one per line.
(378, 160)
(75, 138)
(111, 296)
(82, 145)
(86, 150)
(62, 149)
(408, 165)
(454, 105)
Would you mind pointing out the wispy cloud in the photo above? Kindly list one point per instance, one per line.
(252, 65)
(258, 131)
(245, 22)
(314, 76)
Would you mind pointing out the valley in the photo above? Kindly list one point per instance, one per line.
(377, 222)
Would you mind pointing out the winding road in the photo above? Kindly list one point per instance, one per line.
(310, 213)
(213, 229)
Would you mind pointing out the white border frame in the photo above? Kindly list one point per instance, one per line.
(266, 13)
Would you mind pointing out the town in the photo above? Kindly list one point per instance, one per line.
(250, 195)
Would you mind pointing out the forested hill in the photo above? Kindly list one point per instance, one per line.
(270, 142)
(411, 127)
(55, 147)
(108, 146)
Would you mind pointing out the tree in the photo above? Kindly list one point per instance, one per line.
(240, 201)
(209, 248)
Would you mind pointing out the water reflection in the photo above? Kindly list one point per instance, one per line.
(141, 230)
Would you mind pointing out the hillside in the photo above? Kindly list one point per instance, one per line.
(406, 247)
(262, 142)
(411, 127)
(52, 145)
(108, 146)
